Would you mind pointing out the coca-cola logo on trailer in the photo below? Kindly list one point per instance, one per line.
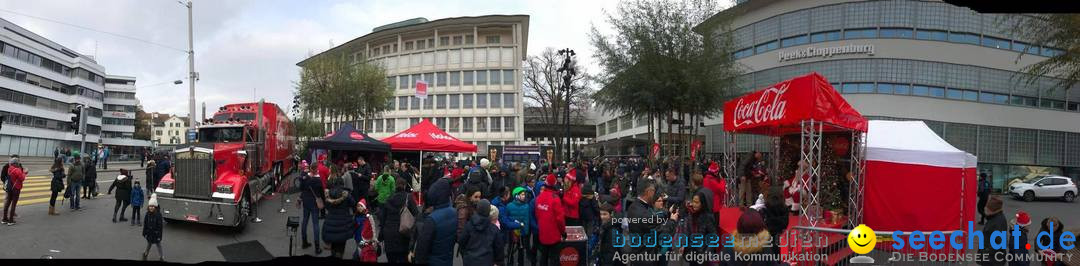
(356, 136)
(568, 256)
(769, 107)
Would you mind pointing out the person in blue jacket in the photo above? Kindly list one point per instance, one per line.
(136, 204)
(520, 211)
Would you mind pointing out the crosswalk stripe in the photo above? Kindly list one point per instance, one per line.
(23, 195)
(35, 201)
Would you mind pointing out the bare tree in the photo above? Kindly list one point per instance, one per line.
(544, 91)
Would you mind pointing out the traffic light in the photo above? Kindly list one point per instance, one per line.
(77, 112)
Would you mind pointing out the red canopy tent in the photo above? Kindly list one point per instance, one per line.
(425, 136)
(779, 109)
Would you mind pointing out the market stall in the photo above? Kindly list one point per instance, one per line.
(348, 144)
(426, 137)
(906, 158)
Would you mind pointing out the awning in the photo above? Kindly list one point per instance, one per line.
(425, 136)
(780, 108)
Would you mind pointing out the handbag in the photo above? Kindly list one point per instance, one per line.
(318, 201)
(407, 219)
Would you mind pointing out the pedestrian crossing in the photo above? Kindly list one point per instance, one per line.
(35, 190)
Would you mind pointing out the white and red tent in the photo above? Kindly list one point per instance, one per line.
(915, 180)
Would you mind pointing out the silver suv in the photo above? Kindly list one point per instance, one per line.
(1044, 187)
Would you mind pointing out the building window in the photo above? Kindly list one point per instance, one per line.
(508, 124)
(455, 78)
(466, 124)
(403, 82)
(496, 100)
(481, 77)
(937, 92)
(897, 33)
(825, 36)
(457, 40)
(428, 103)
(954, 94)
(769, 46)
(390, 127)
(414, 103)
(860, 33)
(467, 101)
(496, 124)
(408, 46)
(455, 125)
(440, 122)
(481, 101)
(493, 39)
(444, 41)
(866, 88)
(793, 41)
(441, 101)
(468, 39)
(468, 78)
(481, 124)
(508, 77)
(496, 79)
(744, 53)
(421, 44)
(920, 91)
(455, 101)
(964, 38)
(509, 100)
(850, 88)
(971, 95)
(995, 42)
(933, 35)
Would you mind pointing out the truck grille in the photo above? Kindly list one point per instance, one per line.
(193, 174)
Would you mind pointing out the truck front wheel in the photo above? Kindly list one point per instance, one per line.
(243, 210)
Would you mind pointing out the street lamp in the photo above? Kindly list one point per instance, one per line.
(192, 75)
(569, 71)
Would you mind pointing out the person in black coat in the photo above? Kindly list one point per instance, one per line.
(701, 220)
(751, 239)
(397, 244)
(480, 240)
(56, 185)
(153, 228)
(122, 184)
(162, 167)
(437, 233)
(89, 182)
(995, 221)
(339, 226)
(310, 190)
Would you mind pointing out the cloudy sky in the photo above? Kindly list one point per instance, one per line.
(246, 49)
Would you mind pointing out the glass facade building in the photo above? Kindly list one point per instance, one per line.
(954, 68)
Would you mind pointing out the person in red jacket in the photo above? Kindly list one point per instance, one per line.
(571, 197)
(16, 176)
(717, 185)
(323, 171)
(551, 221)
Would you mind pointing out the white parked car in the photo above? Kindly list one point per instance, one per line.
(1044, 187)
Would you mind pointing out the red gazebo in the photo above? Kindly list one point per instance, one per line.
(425, 136)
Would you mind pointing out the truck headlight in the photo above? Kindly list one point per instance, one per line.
(166, 185)
(224, 189)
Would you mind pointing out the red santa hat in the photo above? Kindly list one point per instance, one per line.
(572, 175)
(550, 180)
(714, 168)
(322, 157)
(362, 204)
(1022, 218)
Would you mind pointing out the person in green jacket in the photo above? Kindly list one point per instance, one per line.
(384, 186)
(74, 178)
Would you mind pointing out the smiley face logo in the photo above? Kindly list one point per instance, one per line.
(861, 240)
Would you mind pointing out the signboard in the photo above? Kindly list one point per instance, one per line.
(421, 89)
(191, 135)
(808, 52)
(694, 148)
(655, 150)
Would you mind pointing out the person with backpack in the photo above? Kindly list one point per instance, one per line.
(75, 179)
(480, 241)
(480, 178)
(16, 174)
(122, 184)
(395, 219)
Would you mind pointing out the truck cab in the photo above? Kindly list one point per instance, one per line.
(218, 178)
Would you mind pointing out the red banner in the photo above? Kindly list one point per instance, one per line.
(655, 150)
(421, 89)
(694, 148)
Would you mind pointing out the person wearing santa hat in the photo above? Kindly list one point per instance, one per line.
(571, 198)
(366, 238)
(717, 185)
(1021, 251)
(550, 218)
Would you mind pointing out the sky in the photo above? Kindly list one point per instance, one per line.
(245, 50)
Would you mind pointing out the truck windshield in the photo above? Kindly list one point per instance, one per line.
(221, 134)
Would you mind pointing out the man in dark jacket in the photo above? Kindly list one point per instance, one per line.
(674, 188)
(480, 240)
(163, 167)
(995, 221)
(641, 208)
(438, 233)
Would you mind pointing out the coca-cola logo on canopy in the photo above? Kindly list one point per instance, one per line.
(568, 256)
(356, 136)
(407, 135)
(770, 106)
(440, 136)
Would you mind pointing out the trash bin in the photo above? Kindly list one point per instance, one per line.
(573, 251)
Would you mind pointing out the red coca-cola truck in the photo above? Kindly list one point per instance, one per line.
(238, 158)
